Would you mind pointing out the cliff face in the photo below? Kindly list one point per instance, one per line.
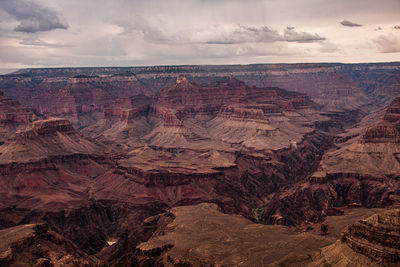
(46, 138)
(13, 117)
(363, 171)
(210, 115)
(387, 130)
(40, 246)
(376, 237)
(81, 99)
(370, 242)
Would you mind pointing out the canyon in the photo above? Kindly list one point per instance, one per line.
(181, 165)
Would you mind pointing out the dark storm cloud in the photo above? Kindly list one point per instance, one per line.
(350, 24)
(32, 17)
(290, 35)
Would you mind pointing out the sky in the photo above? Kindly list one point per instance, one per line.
(74, 33)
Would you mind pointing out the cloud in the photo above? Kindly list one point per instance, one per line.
(218, 34)
(397, 27)
(237, 35)
(290, 35)
(350, 24)
(39, 42)
(328, 47)
(32, 17)
(387, 43)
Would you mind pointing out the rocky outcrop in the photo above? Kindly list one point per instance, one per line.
(376, 237)
(47, 138)
(369, 242)
(363, 171)
(312, 201)
(81, 99)
(387, 130)
(35, 244)
(186, 97)
(11, 111)
(128, 108)
(201, 235)
(13, 117)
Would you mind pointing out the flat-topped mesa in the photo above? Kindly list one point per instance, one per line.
(122, 77)
(387, 130)
(45, 128)
(82, 79)
(376, 237)
(242, 113)
(128, 108)
(52, 125)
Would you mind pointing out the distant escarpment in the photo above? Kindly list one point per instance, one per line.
(363, 171)
(81, 99)
(337, 87)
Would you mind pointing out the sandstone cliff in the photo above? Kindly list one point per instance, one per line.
(370, 242)
(13, 117)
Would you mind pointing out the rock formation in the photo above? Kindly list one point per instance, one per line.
(370, 242)
(170, 136)
(364, 171)
(13, 117)
(203, 236)
(36, 245)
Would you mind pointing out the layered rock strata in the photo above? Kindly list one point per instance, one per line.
(370, 242)
(362, 171)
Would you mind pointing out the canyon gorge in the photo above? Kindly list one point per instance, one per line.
(219, 165)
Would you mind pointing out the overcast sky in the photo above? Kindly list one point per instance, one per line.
(41, 33)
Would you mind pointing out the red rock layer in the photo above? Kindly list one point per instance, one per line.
(83, 99)
(13, 117)
(388, 130)
(128, 108)
(11, 111)
(189, 97)
(377, 237)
